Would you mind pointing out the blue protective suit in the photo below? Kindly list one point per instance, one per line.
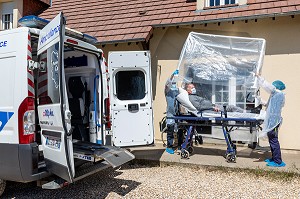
(171, 91)
(274, 107)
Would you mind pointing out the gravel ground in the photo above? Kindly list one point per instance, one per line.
(138, 181)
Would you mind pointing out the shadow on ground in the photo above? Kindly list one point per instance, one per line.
(97, 186)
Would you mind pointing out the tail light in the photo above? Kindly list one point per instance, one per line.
(26, 121)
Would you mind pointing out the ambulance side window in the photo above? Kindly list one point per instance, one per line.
(130, 85)
(48, 79)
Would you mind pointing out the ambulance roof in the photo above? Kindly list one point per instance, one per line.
(37, 22)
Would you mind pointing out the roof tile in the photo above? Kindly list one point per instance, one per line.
(109, 21)
(274, 10)
(177, 20)
(166, 21)
(267, 5)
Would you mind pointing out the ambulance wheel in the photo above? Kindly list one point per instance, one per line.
(231, 158)
(185, 154)
(2, 186)
(190, 149)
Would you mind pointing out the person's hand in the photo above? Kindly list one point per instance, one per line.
(216, 109)
(257, 74)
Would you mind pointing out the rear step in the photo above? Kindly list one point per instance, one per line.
(81, 172)
(110, 156)
(94, 152)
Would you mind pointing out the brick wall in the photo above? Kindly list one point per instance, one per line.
(34, 7)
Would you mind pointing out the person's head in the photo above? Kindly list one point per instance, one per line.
(279, 85)
(190, 88)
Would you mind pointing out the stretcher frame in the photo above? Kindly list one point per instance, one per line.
(227, 124)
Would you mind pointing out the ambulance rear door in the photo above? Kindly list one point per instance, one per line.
(131, 98)
(53, 107)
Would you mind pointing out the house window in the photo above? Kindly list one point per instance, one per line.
(227, 93)
(7, 15)
(220, 2)
(7, 21)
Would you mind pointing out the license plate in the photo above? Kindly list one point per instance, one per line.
(53, 143)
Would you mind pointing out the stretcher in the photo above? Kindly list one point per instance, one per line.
(226, 120)
(222, 70)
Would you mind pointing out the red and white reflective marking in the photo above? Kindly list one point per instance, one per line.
(43, 78)
(30, 78)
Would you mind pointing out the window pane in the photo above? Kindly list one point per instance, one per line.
(225, 97)
(130, 85)
(48, 81)
(226, 1)
(232, 1)
(6, 21)
(218, 96)
(240, 97)
(217, 2)
(204, 90)
(241, 105)
(211, 3)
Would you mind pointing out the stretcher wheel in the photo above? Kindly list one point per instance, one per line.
(190, 149)
(231, 158)
(185, 154)
(252, 145)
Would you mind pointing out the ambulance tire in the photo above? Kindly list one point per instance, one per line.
(2, 186)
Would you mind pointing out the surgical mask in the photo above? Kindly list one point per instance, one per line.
(193, 90)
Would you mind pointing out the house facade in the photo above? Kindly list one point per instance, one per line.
(12, 10)
(163, 26)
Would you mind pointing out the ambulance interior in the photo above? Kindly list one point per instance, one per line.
(81, 84)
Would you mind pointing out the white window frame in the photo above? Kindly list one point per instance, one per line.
(8, 23)
(232, 95)
(222, 3)
(7, 9)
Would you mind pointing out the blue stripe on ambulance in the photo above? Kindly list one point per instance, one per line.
(4, 117)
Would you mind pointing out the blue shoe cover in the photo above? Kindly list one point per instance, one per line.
(274, 164)
(170, 150)
(269, 160)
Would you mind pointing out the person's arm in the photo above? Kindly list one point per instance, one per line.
(269, 88)
(261, 101)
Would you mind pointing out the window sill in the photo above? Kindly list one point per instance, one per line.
(220, 6)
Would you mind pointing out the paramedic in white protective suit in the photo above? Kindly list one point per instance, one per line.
(273, 118)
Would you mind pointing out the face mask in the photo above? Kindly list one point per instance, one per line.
(193, 90)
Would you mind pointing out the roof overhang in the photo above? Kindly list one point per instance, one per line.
(252, 17)
(121, 41)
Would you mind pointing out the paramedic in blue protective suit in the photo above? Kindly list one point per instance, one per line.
(171, 91)
(273, 118)
(201, 103)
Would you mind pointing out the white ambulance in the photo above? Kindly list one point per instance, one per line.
(62, 111)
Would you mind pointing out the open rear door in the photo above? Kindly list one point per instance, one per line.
(131, 98)
(53, 108)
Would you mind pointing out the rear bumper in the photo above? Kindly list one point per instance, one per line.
(19, 162)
